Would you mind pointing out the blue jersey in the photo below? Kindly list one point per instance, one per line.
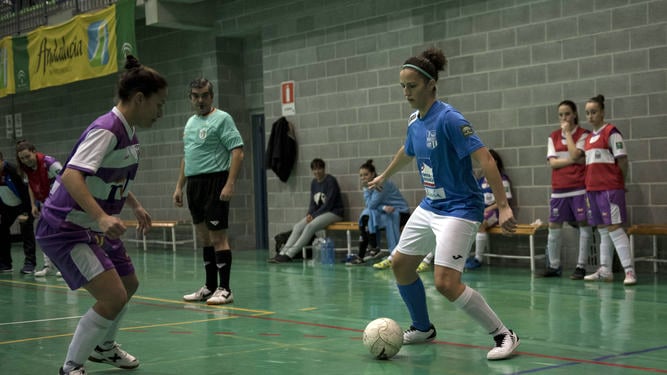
(441, 143)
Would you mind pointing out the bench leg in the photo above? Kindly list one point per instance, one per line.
(655, 253)
(173, 239)
(532, 253)
(349, 243)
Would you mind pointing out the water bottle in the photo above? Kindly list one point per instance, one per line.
(328, 251)
(317, 250)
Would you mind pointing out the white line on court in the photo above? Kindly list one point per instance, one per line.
(41, 320)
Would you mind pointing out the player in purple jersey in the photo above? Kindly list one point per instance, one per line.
(443, 143)
(78, 229)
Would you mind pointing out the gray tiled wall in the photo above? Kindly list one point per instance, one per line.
(510, 63)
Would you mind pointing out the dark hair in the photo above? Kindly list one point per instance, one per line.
(317, 164)
(23, 145)
(368, 165)
(431, 61)
(201, 83)
(499, 161)
(599, 99)
(573, 107)
(139, 78)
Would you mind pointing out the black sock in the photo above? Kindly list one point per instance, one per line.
(223, 261)
(210, 268)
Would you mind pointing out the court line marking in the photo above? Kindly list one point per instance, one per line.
(573, 361)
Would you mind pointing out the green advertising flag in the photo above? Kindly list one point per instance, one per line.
(125, 38)
(21, 64)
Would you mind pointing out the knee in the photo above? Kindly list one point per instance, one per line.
(450, 287)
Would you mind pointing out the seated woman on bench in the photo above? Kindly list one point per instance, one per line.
(326, 207)
(385, 208)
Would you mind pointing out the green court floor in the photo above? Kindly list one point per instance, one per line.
(303, 319)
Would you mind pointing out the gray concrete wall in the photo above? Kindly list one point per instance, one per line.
(510, 63)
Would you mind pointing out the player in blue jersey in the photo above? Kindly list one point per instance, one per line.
(444, 144)
(78, 229)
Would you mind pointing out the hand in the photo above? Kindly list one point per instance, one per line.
(565, 126)
(227, 192)
(309, 218)
(144, 219)
(178, 198)
(506, 220)
(376, 183)
(388, 209)
(111, 226)
(35, 212)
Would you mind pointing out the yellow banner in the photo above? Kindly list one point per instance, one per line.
(83, 48)
(6, 67)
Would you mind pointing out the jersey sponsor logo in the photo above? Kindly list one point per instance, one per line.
(431, 139)
(202, 133)
(457, 256)
(619, 145)
(467, 130)
(427, 175)
(594, 139)
(214, 222)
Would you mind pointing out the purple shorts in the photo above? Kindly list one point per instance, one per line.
(82, 255)
(606, 207)
(568, 209)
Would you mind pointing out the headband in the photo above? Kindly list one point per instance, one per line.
(420, 70)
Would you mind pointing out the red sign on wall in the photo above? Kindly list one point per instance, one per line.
(287, 98)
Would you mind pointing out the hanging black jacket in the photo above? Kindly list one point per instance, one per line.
(281, 150)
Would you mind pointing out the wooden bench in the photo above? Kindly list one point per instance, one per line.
(347, 226)
(653, 230)
(164, 224)
(528, 230)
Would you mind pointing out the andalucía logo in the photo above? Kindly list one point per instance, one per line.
(98, 43)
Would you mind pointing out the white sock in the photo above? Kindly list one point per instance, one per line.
(553, 247)
(91, 329)
(481, 240)
(605, 249)
(585, 235)
(622, 245)
(473, 304)
(110, 338)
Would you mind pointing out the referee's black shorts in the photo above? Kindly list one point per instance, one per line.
(203, 192)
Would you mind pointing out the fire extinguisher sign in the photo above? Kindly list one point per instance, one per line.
(287, 98)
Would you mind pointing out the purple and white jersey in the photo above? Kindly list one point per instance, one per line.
(108, 155)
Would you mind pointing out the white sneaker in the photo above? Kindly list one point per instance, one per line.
(201, 295)
(115, 357)
(221, 296)
(414, 336)
(600, 275)
(505, 345)
(630, 278)
(77, 371)
(46, 270)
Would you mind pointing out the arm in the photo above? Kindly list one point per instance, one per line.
(34, 209)
(400, 160)
(623, 165)
(178, 192)
(143, 217)
(75, 184)
(234, 169)
(576, 154)
(505, 215)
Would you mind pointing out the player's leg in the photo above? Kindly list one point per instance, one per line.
(416, 240)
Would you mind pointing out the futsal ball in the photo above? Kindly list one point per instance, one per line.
(383, 337)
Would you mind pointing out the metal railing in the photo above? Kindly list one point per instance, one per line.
(18, 17)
